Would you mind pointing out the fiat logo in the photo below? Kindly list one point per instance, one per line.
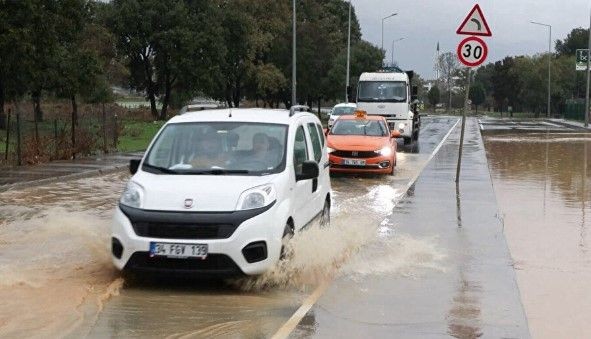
(354, 153)
(188, 203)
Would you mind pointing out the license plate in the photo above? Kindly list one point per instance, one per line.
(354, 162)
(178, 250)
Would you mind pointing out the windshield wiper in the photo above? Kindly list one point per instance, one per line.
(217, 171)
(159, 169)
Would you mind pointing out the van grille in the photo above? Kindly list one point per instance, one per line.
(182, 231)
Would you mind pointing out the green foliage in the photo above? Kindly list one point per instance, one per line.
(578, 38)
(434, 96)
(477, 95)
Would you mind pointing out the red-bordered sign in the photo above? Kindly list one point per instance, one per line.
(472, 51)
(474, 24)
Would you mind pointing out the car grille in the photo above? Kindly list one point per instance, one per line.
(213, 263)
(182, 231)
(355, 154)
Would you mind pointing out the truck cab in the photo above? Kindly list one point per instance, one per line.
(388, 93)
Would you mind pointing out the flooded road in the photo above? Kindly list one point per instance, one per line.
(54, 251)
(543, 187)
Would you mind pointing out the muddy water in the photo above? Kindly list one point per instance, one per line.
(543, 187)
(56, 276)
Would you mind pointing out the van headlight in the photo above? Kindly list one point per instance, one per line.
(385, 151)
(133, 195)
(257, 197)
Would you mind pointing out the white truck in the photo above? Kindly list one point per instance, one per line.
(388, 93)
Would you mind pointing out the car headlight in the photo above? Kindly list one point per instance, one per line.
(133, 195)
(330, 149)
(385, 151)
(257, 197)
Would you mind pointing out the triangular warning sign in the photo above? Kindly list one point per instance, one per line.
(475, 24)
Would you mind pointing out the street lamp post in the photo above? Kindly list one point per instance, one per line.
(293, 58)
(588, 76)
(384, 18)
(392, 51)
(348, 56)
(549, 62)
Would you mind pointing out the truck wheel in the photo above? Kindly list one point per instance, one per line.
(407, 140)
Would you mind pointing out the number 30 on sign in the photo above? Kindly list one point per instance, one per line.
(472, 51)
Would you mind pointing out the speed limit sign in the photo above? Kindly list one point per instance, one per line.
(472, 51)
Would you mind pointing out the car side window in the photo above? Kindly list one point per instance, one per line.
(321, 133)
(300, 150)
(316, 146)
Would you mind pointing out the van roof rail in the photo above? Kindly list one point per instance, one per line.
(298, 108)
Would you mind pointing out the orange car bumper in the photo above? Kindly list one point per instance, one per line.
(376, 165)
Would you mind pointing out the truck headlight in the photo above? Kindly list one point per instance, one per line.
(133, 195)
(257, 197)
(385, 151)
(401, 125)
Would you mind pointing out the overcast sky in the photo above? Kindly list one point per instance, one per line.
(425, 22)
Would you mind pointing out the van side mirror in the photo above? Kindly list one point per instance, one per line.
(310, 170)
(134, 164)
(415, 93)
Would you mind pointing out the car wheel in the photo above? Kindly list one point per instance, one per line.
(325, 214)
(288, 233)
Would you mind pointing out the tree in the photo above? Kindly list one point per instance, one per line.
(448, 67)
(434, 95)
(578, 38)
(477, 95)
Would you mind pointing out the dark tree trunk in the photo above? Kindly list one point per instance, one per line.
(74, 123)
(166, 100)
(236, 94)
(2, 101)
(150, 87)
(36, 96)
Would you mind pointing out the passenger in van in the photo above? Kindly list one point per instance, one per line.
(265, 150)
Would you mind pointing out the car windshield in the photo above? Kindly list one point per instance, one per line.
(382, 91)
(343, 110)
(218, 148)
(374, 128)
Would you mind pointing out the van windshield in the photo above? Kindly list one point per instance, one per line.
(343, 110)
(382, 91)
(219, 148)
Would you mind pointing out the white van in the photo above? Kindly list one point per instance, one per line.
(345, 108)
(218, 191)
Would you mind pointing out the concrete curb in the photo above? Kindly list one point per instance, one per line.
(67, 177)
(566, 123)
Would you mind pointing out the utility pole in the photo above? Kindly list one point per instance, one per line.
(348, 55)
(588, 72)
(293, 59)
(384, 18)
(549, 63)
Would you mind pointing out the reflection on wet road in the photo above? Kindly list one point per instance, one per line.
(54, 250)
(543, 187)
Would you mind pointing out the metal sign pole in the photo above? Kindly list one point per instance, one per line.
(587, 73)
(466, 98)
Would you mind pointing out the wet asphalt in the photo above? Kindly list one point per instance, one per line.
(465, 289)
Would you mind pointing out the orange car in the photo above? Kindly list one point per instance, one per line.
(362, 144)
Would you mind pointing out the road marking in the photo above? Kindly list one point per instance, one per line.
(286, 329)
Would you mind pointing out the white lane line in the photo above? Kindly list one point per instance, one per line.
(286, 329)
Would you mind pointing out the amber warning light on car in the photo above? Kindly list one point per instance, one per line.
(360, 113)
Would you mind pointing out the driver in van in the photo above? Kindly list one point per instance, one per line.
(262, 150)
(209, 151)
